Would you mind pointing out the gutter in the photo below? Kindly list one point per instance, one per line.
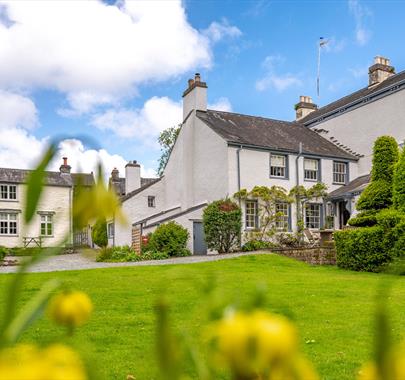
(297, 179)
(238, 169)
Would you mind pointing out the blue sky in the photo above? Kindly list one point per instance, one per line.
(116, 71)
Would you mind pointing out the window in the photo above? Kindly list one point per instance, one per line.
(313, 213)
(46, 225)
(251, 214)
(110, 230)
(311, 169)
(282, 220)
(278, 166)
(339, 172)
(151, 201)
(8, 224)
(8, 192)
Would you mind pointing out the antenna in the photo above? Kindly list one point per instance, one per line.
(322, 42)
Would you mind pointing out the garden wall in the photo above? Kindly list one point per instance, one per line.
(310, 255)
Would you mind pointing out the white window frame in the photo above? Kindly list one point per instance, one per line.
(251, 214)
(8, 221)
(277, 171)
(47, 221)
(311, 174)
(282, 222)
(110, 230)
(313, 218)
(151, 201)
(337, 175)
(6, 191)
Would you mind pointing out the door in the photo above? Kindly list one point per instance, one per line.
(344, 214)
(199, 244)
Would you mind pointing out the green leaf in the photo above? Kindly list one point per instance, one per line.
(35, 183)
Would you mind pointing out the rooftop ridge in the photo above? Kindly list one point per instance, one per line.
(254, 116)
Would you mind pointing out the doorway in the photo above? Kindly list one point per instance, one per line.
(199, 244)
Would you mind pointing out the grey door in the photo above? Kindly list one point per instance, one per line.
(200, 247)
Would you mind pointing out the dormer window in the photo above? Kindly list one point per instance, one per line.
(8, 192)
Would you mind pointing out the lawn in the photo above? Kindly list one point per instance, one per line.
(332, 307)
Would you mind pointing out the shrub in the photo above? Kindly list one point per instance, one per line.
(398, 237)
(127, 254)
(364, 219)
(170, 238)
(399, 184)
(222, 225)
(3, 253)
(376, 196)
(361, 249)
(255, 245)
(104, 254)
(286, 239)
(99, 233)
(389, 218)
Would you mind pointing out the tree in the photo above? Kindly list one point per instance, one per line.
(378, 194)
(167, 139)
(399, 184)
(222, 225)
(99, 233)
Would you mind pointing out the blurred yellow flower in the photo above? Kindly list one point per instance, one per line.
(70, 309)
(259, 345)
(28, 362)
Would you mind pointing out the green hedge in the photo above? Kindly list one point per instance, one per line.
(99, 233)
(364, 219)
(399, 184)
(362, 249)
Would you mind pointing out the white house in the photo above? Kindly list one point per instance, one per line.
(218, 153)
(53, 219)
(355, 121)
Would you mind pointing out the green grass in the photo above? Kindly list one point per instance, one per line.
(331, 306)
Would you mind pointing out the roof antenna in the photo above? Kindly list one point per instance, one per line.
(322, 42)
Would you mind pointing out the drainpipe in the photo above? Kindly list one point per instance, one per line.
(297, 179)
(238, 168)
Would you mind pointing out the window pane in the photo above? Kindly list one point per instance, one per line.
(13, 228)
(278, 164)
(277, 160)
(3, 192)
(12, 192)
(49, 229)
(313, 216)
(282, 210)
(339, 172)
(251, 214)
(311, 164)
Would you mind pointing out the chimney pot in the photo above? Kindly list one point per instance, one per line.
(65, 161)
(197, 77)
(65, 168)
(304, 107)
(379, 71)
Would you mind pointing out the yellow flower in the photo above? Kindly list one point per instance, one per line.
(26, 362)
(253, 343)
(71, 309)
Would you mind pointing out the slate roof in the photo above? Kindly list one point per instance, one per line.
(393, 83)
(270, 134)
(8, 175)
(119, 184)
(142, 188)
(355, 186)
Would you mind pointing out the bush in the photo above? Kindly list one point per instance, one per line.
(376, 196)
(3, 253)
(398, 237)
(255, 245)
(171, 239)
(389, 218)
(361, 249)
(364, 219)
(99, 233)
(286, 239)
(398, 184)
(222, 225)
(127, 254)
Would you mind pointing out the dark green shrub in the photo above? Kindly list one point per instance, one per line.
(376, 196)
(99, 233)
(105, 254)
(389, 218)
(255, 245)
(222, 225)
(3, 253)
(364, 219)
(399, 184)
(361, 249)
(397, 236)
(170, 238)
(127, 254)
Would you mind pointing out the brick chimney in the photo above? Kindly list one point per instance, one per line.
(132, 176)
(65, 168)
(195, 96)
(115, 175)
(379, 71)
(304, 107)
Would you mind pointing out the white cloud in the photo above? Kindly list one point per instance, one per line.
(359, 72)
(219, 30)
(361, 14)
(222, 104)
(271, 79)
(16, 110)
(96, 53)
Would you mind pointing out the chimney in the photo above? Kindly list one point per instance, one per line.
(65, 168)
(195, 96)
(115, 175)
(304, 107)
(379, 71)
(132, 176)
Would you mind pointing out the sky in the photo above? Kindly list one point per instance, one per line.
(106, 77)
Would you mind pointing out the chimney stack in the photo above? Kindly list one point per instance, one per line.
(132, 176)
(65, 168)
(379, 71)
(195, 96)
(304, 107)
(115, 175)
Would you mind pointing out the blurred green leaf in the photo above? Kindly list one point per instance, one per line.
(35, 183)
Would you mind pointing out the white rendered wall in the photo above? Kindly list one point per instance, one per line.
(55, 199)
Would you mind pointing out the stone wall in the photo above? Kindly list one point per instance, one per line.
(310, 255)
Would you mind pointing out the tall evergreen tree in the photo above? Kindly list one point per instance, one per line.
(399, 184)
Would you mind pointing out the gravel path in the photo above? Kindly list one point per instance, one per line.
(78, 261)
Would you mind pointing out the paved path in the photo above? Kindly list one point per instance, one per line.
(78, 261)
